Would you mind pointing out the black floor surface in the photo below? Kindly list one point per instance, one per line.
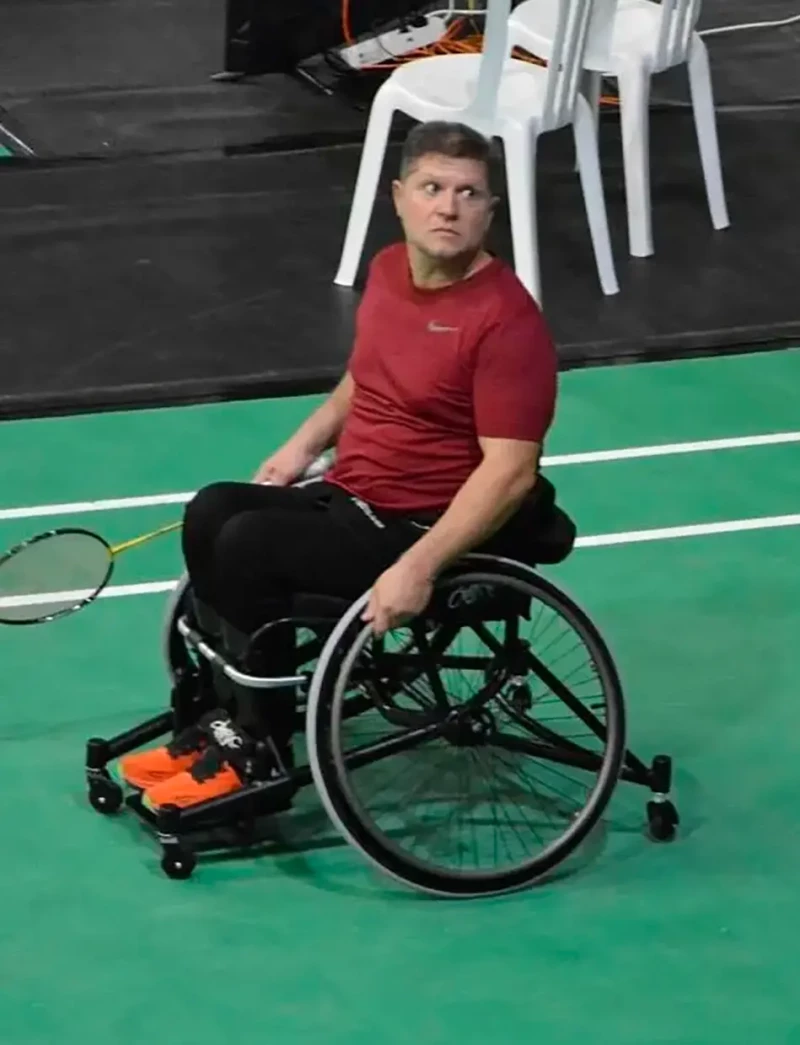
(175, 280)
(109, 78)
(174, 239)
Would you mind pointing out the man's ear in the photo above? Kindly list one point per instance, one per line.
(397, 188)
(494, 203)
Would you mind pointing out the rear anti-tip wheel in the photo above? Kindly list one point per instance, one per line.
(662, 821)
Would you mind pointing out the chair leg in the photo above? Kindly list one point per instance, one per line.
(591, 84)
(594, 83)
(706, 127)
(520, 156)
(369, 172)
(634, 97)
(585, 132)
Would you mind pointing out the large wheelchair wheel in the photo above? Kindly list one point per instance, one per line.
(173, 649)
(471, 752)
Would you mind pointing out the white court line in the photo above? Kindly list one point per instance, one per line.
(79, 507)
(77, 594)
(555, 460)
(669, 533)
(664, 533)
(668, 449)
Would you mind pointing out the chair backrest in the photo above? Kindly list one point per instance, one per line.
(579, 23)
(494, 53)
(678, 20)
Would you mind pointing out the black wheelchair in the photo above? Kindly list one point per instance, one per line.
(503, 681)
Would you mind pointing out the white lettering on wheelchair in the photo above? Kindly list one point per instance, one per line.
(469, 594)
(225, 735)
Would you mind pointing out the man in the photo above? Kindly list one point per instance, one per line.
(438, 426)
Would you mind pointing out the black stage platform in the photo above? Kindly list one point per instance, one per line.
(174, 240)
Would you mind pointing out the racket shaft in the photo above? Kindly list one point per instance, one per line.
(134, 542)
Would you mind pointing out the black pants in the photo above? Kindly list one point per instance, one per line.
(248, 548)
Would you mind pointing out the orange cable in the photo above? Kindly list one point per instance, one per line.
(447, 44)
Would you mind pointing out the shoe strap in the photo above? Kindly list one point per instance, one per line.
(191, 739)
(229, 744)
(227, 737)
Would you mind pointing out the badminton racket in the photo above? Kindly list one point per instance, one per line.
(60, 571)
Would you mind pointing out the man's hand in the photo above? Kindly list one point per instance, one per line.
(399, 594)
(284, 466)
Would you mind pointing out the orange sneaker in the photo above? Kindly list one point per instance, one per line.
(144, 769)
(210, 777)
(221, 768)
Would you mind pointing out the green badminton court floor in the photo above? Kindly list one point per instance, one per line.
(695, 942)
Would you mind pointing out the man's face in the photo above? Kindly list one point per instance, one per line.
(445, 206)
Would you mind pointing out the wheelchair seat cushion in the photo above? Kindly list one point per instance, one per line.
(553, 541)
(305, 604)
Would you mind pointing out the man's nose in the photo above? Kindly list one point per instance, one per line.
(447, 204)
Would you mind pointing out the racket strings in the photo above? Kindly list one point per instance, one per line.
(52, 575)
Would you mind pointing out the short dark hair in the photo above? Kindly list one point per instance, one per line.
(442, 138)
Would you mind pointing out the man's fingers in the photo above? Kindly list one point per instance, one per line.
(369, 612)
(379, 624)
(376, 615)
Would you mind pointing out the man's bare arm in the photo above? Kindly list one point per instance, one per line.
(320, 431)
(316, 434)
(488, 498)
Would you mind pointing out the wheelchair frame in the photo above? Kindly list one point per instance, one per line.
(174, 827)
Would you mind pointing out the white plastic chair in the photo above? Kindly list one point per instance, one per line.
(644, 38)
(498, 97)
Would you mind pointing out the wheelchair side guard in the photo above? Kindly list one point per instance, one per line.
(171, 612)
(197, 642)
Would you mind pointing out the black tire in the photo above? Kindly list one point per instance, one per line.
(105, 795)
(331, 775)
(173, 647)
(662, 821)
(178, 863)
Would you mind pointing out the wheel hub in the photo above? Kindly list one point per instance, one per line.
(469, 728)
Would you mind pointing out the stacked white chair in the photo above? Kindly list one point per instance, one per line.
(501, 97)
(644, 38)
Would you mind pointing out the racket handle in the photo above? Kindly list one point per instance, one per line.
(318, 467)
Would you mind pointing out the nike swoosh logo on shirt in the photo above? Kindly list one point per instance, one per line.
(437, 328)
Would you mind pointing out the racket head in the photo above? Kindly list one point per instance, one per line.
(53, 574)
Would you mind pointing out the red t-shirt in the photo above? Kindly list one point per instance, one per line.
(433, 370)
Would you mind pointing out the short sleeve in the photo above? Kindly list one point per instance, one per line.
(515, 379)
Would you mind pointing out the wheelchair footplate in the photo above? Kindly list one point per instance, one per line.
(235, 822)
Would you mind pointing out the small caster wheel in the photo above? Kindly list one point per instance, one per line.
(662, 821)
(178, 863)
(105, 795)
